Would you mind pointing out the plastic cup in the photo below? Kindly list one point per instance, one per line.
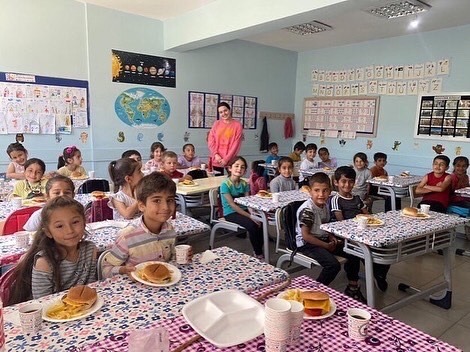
(390, 179)
(273, 162)
(17, 202)
(184, 254)
(203, 166)
(277, 320)
(362, 222)
(276, 197)
(31, 318)
(22, 239)
(425, 208)
(176, 180)
(358, 323)
(296, 319)
(91, 174)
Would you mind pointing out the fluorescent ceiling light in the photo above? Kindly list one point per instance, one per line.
(309, 28)
(399, 9)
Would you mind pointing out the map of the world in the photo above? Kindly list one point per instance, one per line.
(142, 107)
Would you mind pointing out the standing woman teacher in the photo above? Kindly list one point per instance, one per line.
(225, 138)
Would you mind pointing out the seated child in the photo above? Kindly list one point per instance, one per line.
(283, 182)
(321, 245)
(273, 149)
(257, 181)
(70, 163)
(18, 156)
(34, 185)
(345, 205)
(133, 154)
(296, 157)
(152, 236)
(435, 187)
(326, 161)
(188, 159)
(156, 151)
(57, 186)
(361, 187)
(56, 260)
(308, 164)
(169, 164)
(460, 180)
(125, 174)
(380, 160)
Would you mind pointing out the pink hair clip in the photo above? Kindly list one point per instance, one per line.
(71, 149)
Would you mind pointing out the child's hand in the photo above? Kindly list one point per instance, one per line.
(331, 246)
(127, 269)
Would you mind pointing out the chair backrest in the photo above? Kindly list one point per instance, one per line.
(98, 210)
(16, 220)
(195, 174)
(6, 281)
(93, 185)
(99, 264)
(289, 220)
(213, 201)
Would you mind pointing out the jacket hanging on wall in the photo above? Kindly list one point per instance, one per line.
(288, 128)
(264, 139)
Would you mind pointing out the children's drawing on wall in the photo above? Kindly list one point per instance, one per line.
(256, 137)
(83, 137)
(140, 136)
(396, 145)
(160, 137)
(58, 137)
(19, 137)
(369, 144)
(415, 145)
(63, 123)
(47, 124)
(121, 137)
(186, 136)
(458, 151)
(438, 148)
(342, 142)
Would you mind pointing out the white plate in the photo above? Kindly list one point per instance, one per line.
(309, 317)
(79, 178)
(175, 274)
(225, 318)
(265, 197)
(421, 217)
(379, 221)
(94, 308)
(193, 185)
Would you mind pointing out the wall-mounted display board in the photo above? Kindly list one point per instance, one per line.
(443, 116)
(42, 105)
(202, 109)
(352, 116)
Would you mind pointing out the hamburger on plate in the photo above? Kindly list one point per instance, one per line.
(74, 303)
(98, 194)
(156, 273)
(264, 194)
(414, 212)
(315, 303)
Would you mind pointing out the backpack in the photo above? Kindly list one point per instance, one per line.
(98, 210)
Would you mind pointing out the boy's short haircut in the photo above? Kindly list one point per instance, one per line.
(319, 177)
(272, 145)
(155, 182)
(311, 146)
(299, 145)
(346, 171)
(169, 154)
(444, 158)
(129, 153)
(323, 149)
(380, 155)
(458, 159)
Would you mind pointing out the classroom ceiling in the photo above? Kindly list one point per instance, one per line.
(349, 21)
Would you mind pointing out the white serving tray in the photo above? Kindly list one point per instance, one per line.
(225, 318)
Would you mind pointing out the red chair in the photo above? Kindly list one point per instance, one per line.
(16, 220)
(6, 281)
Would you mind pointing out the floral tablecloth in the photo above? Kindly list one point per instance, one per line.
(397, 228)
(464, 192)
(131, 305)
(267, 204)
(386, 334)
(398, 181)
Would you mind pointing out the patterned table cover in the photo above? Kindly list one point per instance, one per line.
(464, 192)
(267, 204)
(131, 305)
(398, 181)
(329, 171)
(396, 228)
(103, 237)
(386, 334)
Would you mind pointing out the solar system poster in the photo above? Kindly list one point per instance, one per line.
(143, 69)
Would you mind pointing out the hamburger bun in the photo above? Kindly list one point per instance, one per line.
(81, 296)
(381, 178)
(410, 211)
(39, 199)
(305, 189)
(156, 273)
(264, 193)
(98, 194)
(315, 303)
(188, 182)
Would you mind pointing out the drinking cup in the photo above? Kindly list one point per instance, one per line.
(184, 253)
(277, 319)
(358, 323)
(296, 319)
(22, 239)
(425, 208)
(17, 202)
(276, 197)
(91, 174)
(203, 166)
(271, 345)
(273, 162)
(176, 181)
(31, 318)
(362, 222)
(390, 179)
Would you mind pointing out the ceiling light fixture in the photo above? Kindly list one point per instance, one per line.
(309, 28)
(400, 9)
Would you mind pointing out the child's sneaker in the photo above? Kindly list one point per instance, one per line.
(354, 292)
(259, 256)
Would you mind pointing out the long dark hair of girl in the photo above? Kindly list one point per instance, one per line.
(233, 161)
(68, 153)
(119, 169)
(21, 288)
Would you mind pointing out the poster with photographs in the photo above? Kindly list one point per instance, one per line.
(444, 116)
(202, 109)
(355, 116)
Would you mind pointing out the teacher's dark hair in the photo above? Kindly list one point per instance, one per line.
(224, 104)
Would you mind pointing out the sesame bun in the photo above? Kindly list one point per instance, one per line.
(381, 178)
(315, 303)
(410, 211)
(98, 194)
(81, 295)
(156, 273)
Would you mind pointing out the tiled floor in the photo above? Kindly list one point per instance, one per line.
(452, 326)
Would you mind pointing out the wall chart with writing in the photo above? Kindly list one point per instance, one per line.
(350, 116)
(444, 116)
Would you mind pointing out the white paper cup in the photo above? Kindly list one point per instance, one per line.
(276, 197)
(91, 174)
(274, 345)
(362, 222)
(425, 208)
(176, 180)
(273, 162)
(17, 202)
(296, 319)
(183, 253)
(203, 166)
(31, 318)
(277, 319)
(22, 239)
(358, 323)
(390, 179)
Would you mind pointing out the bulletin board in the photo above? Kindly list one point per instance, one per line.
(42, 105)
(202, 109)
(444, 116)
(345, 117)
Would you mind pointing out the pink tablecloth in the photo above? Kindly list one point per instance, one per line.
(386, 334)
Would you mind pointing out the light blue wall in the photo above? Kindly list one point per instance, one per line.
(397, 113)
(83, 37)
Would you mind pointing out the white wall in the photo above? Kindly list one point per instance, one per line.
(397, 113)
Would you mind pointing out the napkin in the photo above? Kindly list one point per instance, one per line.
(149, 340)
(13, 317)
(108, 223)
(207, 257)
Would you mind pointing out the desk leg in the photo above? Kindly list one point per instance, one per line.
(393, 198)
(182, 203)
(445, 300)
(369, 275)
(265, 236)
